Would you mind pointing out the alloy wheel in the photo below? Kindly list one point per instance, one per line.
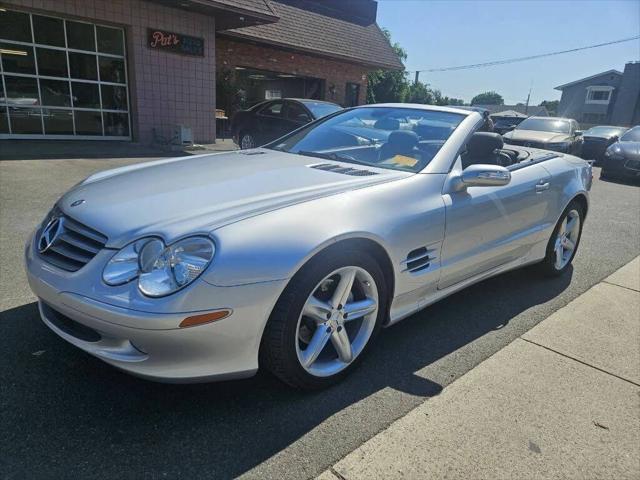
(567, 239)
(247, 142)
(337, 321)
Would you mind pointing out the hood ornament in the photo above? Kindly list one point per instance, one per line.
(50, 234)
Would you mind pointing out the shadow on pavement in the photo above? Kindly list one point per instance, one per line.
(69, 415)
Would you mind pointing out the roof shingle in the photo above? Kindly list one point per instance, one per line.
(305, 27)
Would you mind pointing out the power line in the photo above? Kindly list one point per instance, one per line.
(530, 57)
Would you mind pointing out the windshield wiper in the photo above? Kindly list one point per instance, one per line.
(333, 156)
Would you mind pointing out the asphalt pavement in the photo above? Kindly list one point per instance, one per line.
(65, 414)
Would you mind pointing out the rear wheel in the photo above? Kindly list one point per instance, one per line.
(564, 241)
(325, 319)
(247, 141)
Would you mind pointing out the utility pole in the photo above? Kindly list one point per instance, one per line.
(526, 106)
(417, 77)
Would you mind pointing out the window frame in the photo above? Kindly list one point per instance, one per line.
(6, 106)
(597, 89)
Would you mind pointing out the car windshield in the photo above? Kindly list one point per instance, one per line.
(604, 131)
(545, 125)
(632, 135)
(387, 137)
(321, 109)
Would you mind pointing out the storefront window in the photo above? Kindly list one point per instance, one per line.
(17, 58)
(48, 31)
(80, 36)
(51, 63)
(57, 85)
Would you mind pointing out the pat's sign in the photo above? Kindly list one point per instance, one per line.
(175, 42)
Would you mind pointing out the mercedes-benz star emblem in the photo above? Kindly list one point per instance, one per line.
(50, 234)
(77, 202)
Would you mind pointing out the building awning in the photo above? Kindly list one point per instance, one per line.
(228, 13)
(318, 30)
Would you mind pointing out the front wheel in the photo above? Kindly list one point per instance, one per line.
(564, 241)
(247, 141)
(325, 319)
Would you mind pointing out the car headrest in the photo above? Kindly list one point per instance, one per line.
(484, 144)
(402, 140)
(387, 124)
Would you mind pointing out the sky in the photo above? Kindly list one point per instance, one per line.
(459, 32)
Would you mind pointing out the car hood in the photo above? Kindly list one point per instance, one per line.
(536, 136)
(198, 194)
(629, 149)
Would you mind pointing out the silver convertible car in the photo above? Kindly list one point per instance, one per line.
(291, 257)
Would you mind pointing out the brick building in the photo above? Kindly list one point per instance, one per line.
(136, 69)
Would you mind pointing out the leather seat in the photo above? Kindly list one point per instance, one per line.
(400, 142)
(485, 148)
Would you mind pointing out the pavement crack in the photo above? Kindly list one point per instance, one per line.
(580, 361)
(337, 474)
(621, 286)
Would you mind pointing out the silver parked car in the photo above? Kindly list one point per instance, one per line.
(293, 256)
(558, 134)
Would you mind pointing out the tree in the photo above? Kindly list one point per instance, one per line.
(551, 105)
(488, 98)
(388, 85)
(420, 93)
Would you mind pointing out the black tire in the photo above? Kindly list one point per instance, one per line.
(547, 267)
(243, 142)
(277, 349)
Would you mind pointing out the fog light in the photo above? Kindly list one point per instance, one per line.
(205, 318)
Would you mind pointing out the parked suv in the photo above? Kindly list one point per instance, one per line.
(549, 133)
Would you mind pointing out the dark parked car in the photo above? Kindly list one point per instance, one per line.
(622, 159)
(503, 125)
(272, 119)
(598, 139)
(548, 133)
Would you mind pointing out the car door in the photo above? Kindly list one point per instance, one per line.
(271, 121)
(487, 227)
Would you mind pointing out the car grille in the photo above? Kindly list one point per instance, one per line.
(69, 326)
(73, 244)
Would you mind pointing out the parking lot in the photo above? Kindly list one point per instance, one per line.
(66, 414)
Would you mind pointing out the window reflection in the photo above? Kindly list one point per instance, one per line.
(48, 30)
(57, 122)
(88, 123)
(55, 93)
(111, 70)
(52, 63)
(25, 120)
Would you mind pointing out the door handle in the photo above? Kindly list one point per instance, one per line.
(542, 186)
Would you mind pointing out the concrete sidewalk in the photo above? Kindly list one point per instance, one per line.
(562, 401)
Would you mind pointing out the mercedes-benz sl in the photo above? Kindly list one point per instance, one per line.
(293, 256)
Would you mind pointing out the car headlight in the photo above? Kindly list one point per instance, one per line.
(615, 152)
(160, 270)
(561, 146)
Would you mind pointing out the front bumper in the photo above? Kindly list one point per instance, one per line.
(629, 168)
(159, 349)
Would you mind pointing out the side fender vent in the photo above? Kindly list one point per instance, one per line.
(355, 172)
(418, 260)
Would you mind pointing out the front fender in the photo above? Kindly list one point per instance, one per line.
(400, 216)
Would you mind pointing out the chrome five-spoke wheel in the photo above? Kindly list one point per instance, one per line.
(336, 321)
(567, 239)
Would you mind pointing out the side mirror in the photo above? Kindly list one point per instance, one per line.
(578, 133)
(485, 176)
